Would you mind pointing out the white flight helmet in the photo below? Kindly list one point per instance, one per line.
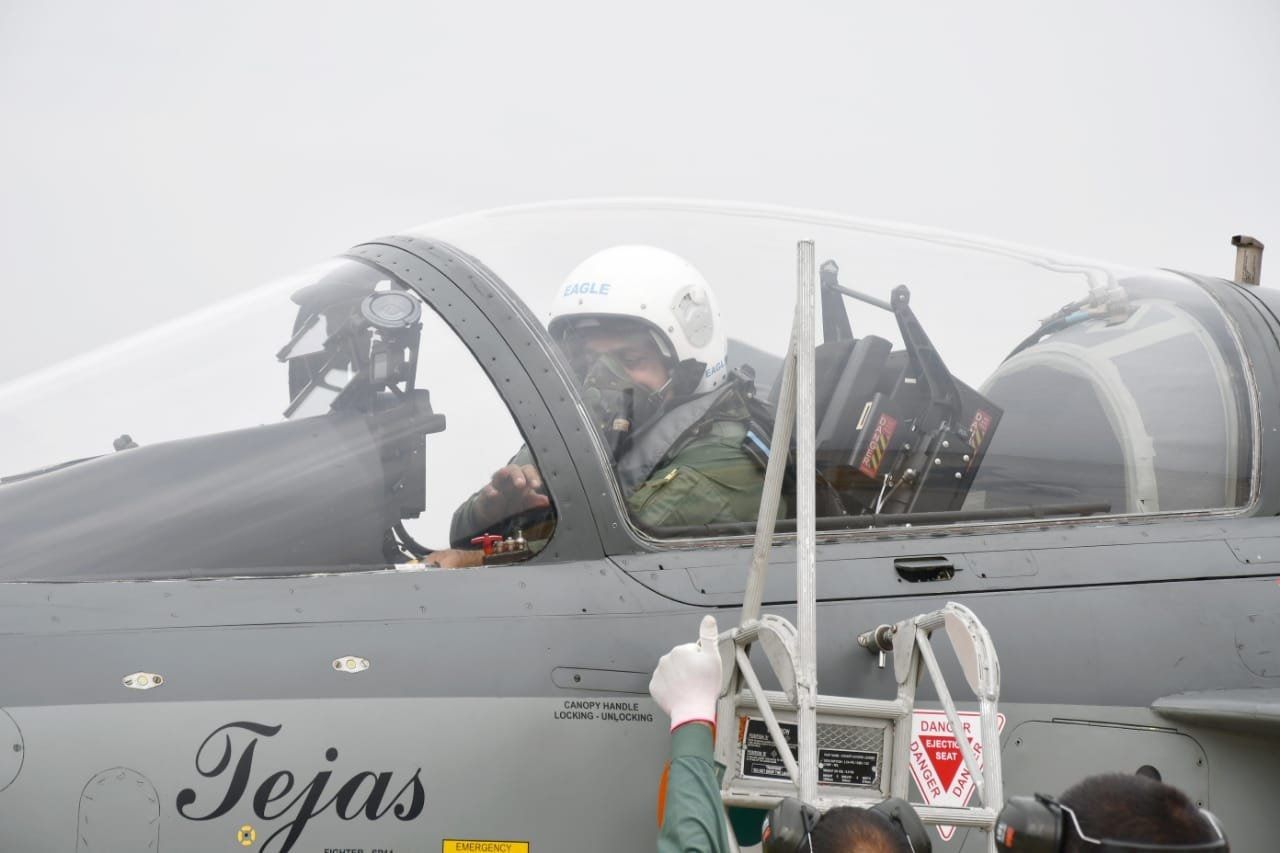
(655, 286)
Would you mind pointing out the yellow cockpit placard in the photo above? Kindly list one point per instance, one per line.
(451, 845)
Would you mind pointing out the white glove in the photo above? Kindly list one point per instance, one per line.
(686, 683)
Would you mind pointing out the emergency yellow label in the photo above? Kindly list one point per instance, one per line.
(456, 846)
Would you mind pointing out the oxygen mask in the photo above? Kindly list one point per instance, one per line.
(618, 404)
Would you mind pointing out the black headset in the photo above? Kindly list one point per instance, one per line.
(1039, 825)
(788, 827)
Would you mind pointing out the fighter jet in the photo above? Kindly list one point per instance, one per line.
(380, 556)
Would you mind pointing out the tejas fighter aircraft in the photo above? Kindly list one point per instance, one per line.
(228, 621)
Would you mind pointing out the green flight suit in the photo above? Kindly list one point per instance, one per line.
(708, 478)
(705, 476)
(693, 819)
(464, 526)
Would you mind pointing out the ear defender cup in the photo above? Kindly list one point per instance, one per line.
(1217, 826)
(787, 827)
(900, 813)
(1030, 825)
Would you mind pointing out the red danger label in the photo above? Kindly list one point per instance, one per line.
(880, 439)
(978, 433)
(937, 765)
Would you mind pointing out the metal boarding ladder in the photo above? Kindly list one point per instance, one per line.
(877, 726)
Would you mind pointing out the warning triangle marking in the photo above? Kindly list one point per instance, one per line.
(937, 765)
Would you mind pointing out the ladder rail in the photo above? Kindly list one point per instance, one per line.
(899, 769)
(766, 711)
(949, 708)
(983, 675)
(766, 520)
(771, 497)
(806, 520)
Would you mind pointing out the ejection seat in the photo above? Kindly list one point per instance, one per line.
(870, 407)
(848, 377)
(848, 374)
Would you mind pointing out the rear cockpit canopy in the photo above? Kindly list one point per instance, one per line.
(1144, 410)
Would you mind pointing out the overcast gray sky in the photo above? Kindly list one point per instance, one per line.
(159, 156)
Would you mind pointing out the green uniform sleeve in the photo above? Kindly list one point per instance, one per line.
(711, 479)
(464, 527)
(694, 820)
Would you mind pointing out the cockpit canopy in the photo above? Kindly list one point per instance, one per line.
(1084, 387)
(335, 419)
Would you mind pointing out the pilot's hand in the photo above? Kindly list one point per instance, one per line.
(686, 683)
(513, 489)
(454, 558)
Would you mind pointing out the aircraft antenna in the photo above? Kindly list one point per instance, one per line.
(1248, 259)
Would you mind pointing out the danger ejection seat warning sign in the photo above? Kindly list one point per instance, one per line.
(937, 764)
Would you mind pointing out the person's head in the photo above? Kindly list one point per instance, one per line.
(1134, 808)
(1111, 812)
(889, 827)
(852, 830)
(649, 308)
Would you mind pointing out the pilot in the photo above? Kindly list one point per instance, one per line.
(641, 329)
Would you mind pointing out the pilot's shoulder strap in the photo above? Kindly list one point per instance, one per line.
(656, 442)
